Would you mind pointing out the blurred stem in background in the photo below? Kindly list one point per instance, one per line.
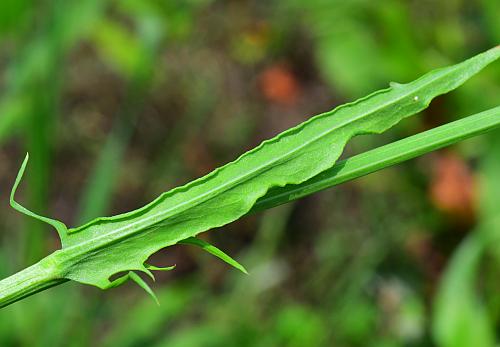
(41, 124)
(33, 59)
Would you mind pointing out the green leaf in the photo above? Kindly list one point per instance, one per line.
(94, 252)
(214, 251)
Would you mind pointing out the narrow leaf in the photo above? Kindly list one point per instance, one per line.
(214, 251)
(156, 268)
(137, 279)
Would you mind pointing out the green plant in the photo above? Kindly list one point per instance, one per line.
(97, 251)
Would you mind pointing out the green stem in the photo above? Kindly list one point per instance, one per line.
(385, 156)
(46, 273)
(29, 281)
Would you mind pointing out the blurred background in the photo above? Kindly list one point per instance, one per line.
(119, 101)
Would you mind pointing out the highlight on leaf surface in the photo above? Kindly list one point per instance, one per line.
(94, 252)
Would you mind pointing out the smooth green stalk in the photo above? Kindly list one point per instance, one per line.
(29, 281)
(48, 272)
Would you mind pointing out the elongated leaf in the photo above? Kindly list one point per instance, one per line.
(95, 251)
(215, 252)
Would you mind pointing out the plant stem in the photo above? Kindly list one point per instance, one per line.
(29, 281)
(46, 274)
(385, 156)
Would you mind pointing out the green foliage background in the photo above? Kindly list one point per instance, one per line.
(117, 101)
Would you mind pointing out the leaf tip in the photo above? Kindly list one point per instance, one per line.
(215, 252)
(137, 279)
(58, 225)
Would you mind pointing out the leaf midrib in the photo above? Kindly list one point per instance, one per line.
(248, 175)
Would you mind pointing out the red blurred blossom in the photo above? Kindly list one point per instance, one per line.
(452, 187)
(279, 85)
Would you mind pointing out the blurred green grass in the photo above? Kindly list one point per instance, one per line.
(117, 101)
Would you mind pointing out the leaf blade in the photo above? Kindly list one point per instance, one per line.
(95, 251)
